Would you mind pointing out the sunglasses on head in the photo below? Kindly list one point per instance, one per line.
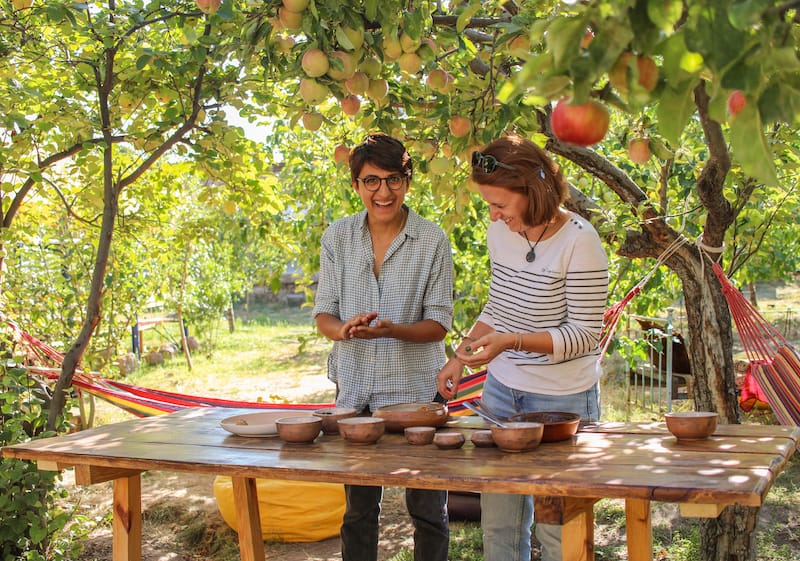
(487, 163)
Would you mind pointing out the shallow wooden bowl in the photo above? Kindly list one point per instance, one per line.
(558, 425)
(403, 415)
(448, 440)
(330, 417)
(517, 436)
(482, 439)
(691, 425)
(362, 430)
(420, 435)
(299, 429)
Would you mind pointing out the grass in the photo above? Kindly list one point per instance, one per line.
(274, 355)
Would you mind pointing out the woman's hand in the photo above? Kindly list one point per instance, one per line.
(382, 328)
(448, 378)
(349, 327)
(481, 351)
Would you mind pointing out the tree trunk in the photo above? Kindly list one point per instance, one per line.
(730, 536)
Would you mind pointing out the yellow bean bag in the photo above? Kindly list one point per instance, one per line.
(291, 511)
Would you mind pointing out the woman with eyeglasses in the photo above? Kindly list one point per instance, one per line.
(385, 298)
(538, 333)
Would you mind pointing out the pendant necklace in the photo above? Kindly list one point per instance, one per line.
(531, 255)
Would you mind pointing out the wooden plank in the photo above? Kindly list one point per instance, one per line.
(577, 535)
(638, 524)
(248, 520)
(695, 510)
(47, 465)
(126, 526)
(89, 475)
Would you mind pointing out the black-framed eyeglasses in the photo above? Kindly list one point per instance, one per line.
(373, 182)
(487, 163)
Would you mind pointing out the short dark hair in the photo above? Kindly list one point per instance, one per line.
(383, 151)
(535, 175)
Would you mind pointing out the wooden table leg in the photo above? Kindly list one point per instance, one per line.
(639, 528)
(248, 519)
(576, 518)
(126, 526)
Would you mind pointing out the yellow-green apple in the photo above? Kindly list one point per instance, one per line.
(391, 48)
(312, 91)
(410, 63)
(459, 126)
(440, 80)
(357, 83)
(583, 125)
(378, 89)
(22, 4)
(736, 102)
(315, 62)
(289, 19)
(208, 6)
(440, 165)
(346, 68)
(350, 104)
(284, 43)
(639, 150)
(371, 66)
(409, 44)
(296, 6)
(355, 36)
(341, 154)
(312, 120)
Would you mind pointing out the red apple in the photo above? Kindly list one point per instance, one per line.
(460, 126)
(583, 125)
(341, 154)
(646, 73)
(587, 39)
(440, 81)
(736, 102)
(639, 150)
(208, 6)
(315, 63)
(350, 105)
(348, 66)
(357, 83)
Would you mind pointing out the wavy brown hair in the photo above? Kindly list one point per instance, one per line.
(535, 175)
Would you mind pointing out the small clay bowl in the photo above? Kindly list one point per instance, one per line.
(517, 436)
(299, 429)
(448, 440)
(482, 439)
(361, 430)
(558, 425)
(330, 417)
(691, 425)
(419, 435)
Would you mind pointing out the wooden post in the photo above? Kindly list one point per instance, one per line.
(126, 527)
(639, 528)
(248, 519)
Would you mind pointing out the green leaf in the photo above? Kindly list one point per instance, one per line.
(745, 15)
(466, 15)
(563, 39)
(664, 13)
(675, 109)
(749, 146)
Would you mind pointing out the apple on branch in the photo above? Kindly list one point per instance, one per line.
(341, 154)
(350, 104)
(582, 125)
(736, 102)
(459, 126)
(208, 6)
(639, 150)
(315, 63)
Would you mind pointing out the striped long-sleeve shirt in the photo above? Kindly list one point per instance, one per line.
(563, 291)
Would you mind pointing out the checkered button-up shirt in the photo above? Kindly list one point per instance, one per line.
(415, 283)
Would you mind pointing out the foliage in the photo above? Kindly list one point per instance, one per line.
(33, 528)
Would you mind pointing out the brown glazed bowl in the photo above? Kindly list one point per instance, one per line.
(482, 439)
(361, 430)
(299, 429)
(558, 425)
(448, 440)
(331, 415)
(517, 436)
(403, 415)
(420, 435)
(691, 425)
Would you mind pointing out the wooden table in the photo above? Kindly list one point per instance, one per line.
(639, 463)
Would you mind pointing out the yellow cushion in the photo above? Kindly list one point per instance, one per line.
(291, 511)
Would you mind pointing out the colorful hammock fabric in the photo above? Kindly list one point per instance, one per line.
(775, 363)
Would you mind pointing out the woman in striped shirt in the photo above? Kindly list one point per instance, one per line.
(539, 330)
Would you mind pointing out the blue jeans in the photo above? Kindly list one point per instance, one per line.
(428, 511)
(507, 519)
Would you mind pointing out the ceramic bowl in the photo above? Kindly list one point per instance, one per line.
(691, 425)
(448, 440)
(517, 436)
(330, 417)
(361, 430)
(299, 429)
(403, 415)
(558, 425)
(419, 435)
(482, 439)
